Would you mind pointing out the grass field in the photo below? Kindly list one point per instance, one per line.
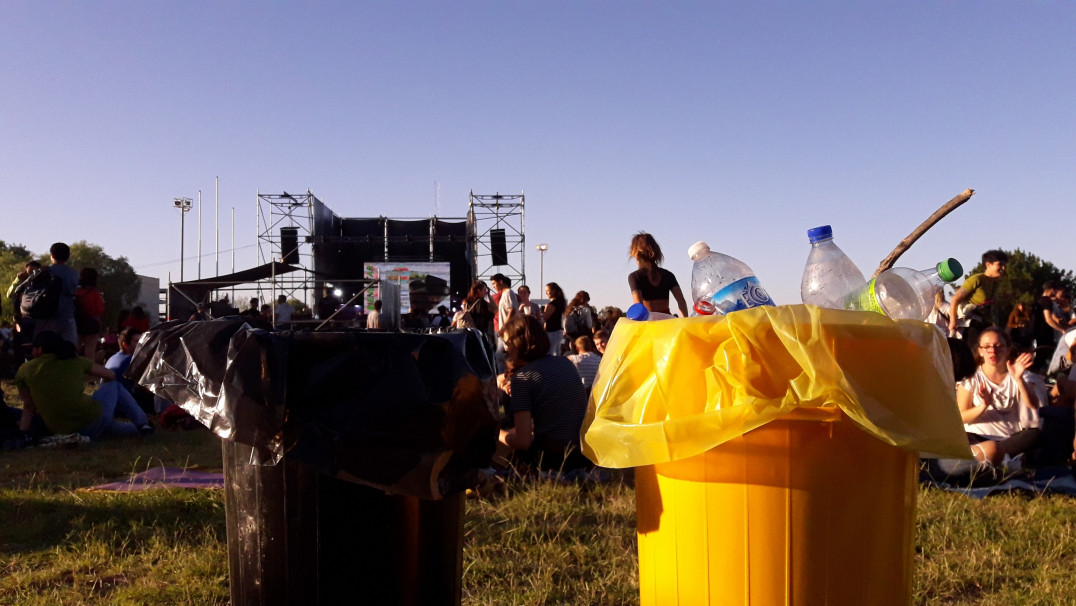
(540, 543)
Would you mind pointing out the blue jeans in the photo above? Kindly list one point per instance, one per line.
(114, 399)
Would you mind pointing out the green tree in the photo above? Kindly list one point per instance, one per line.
(1025, 274)
(117, 280)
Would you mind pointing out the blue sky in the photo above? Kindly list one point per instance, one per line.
(742, 125)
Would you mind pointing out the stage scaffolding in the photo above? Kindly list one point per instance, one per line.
(285, 233)
(492, 215)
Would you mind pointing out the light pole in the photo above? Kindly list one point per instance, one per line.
(184, 206)
(541, 272)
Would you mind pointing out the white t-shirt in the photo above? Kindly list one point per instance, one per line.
(283, 312)
(373, 319)
(1003, 418)
(508, 303)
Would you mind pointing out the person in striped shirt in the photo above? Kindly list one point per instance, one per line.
(547, 400)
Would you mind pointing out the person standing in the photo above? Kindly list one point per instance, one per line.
(1046, 325)
(506, 310)
(526, 306)
(89, 307)
(651, 285)
(373, 319)
(24, 325)
(553, 316)
(63, 323)
(283, 311)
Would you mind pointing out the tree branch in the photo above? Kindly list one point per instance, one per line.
(907, 242)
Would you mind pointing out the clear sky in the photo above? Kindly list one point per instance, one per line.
(739, 124)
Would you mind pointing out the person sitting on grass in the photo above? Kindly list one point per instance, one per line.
(547, 400)
(586, 361)
(995, 403)
(121, 361)
(52, 386)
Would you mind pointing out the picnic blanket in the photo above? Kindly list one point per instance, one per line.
(1039, 482)
(164, 477)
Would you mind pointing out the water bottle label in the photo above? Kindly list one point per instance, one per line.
(865, 300)
(744, 293)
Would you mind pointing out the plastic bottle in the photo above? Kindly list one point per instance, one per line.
(902, 293)
(829, 276)
(640, 313)
(721, 284)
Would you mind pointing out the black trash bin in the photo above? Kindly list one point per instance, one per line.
(345, 453)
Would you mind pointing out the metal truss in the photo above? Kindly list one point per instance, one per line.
(492, 212)
(284, 211)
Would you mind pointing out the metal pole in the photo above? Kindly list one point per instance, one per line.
(199, 234)
(182, 226)
(216, 223)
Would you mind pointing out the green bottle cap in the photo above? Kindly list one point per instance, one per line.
(950, 269)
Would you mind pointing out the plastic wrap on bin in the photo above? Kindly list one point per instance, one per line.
(673, 389)
(405, 413)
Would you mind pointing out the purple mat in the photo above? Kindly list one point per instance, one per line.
(165, 477)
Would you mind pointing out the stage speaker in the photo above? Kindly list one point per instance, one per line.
(497, 247)
(289, 245)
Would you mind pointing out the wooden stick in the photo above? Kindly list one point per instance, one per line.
(906, 243)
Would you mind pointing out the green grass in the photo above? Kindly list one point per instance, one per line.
(539, 543)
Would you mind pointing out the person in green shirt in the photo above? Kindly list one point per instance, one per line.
(973, 302)
(52, 387)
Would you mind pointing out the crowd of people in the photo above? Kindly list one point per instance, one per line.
(1008, 369)
(545, 353)
(57, 346)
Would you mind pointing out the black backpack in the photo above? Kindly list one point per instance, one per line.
(41, 295)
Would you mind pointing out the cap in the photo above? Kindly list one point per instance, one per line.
(817, 234)
(698, 248)
(950, 269)
(637, 312)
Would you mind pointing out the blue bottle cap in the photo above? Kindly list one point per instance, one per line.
(817, 234)
(637, 312)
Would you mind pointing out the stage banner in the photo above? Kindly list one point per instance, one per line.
(423, 286)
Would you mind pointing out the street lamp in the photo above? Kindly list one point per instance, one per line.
(541, 275)
(184, 206)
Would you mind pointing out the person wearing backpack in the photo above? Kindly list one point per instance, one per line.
(578, 319)
(24, 325)
(63, 287)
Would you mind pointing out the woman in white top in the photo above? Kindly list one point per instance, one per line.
(995, 399)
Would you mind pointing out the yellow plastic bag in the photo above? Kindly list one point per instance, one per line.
(672, 389)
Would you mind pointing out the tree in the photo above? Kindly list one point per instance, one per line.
(1025, 274)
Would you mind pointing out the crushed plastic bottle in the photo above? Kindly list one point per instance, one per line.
(721, 284)
(640, 313)
(829, 276)
(902, 293)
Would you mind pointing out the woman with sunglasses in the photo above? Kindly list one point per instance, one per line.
(995, 403)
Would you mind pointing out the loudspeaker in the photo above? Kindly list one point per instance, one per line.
(289, 244)
(497, 247)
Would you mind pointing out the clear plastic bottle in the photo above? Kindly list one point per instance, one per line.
(902, 293)
(640, 313)
(721, 284)
(829, 276)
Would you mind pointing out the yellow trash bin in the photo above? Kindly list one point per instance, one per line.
(775, 451)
